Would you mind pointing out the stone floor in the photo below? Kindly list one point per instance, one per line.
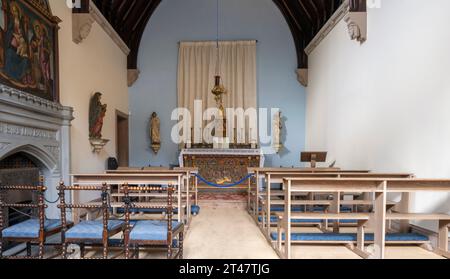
(224, 230)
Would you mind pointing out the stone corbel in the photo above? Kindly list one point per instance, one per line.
(98, 144)
(133, 75)
(81, 26)
(357, 26)
(302, 76)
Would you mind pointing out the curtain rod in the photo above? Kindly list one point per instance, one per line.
(205, 41)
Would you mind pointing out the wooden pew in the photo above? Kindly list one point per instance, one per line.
(259, 173)
(277, 177)
(379, 187)
(189, 177)
(174, 178)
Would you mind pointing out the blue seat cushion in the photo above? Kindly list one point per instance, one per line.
(92, 229)
(195, 209)
(30, 228)
(273, 219)
(280, 208)
(147, 210)
(351, 237)
(152, 230)
(301, 208)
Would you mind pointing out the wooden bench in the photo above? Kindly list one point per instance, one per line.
(278, 176)
(190, 181)
(151, 177)
(379, 187)
(278, 173)
(254, 188)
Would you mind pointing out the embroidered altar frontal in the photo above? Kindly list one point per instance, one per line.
(222, 167)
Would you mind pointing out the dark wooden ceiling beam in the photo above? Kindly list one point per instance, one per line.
(358, 5)
(304, 17)
(297, 34)
(135, 41)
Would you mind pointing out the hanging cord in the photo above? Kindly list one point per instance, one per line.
(217, 41)
(217, 37)
(50, 202)
(127, 201)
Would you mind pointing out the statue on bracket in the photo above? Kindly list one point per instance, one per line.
(277, 126)
(97, 112)
(155, 135)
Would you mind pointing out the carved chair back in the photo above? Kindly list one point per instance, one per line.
(39, 205)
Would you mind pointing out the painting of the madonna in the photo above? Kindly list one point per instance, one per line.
(28, 48)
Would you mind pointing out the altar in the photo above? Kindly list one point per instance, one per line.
(222, 166)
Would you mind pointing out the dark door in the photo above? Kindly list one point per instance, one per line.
(122, 139)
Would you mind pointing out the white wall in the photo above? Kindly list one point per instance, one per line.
(95, 65)
(385, 105)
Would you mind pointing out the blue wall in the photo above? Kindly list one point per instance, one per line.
(189, 20)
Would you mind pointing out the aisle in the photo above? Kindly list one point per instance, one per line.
(225, 231)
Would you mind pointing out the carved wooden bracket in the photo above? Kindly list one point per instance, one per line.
(302, 76)
(133, 75)
(357, 26)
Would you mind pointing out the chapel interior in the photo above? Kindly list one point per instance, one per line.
(224, 129)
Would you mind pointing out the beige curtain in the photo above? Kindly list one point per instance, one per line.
(197, 68)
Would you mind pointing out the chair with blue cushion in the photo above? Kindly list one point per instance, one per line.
(153, 233)
(92, 232)
(33, 231)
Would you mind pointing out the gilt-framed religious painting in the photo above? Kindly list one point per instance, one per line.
(29, 47)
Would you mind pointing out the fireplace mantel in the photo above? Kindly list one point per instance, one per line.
(41, 129)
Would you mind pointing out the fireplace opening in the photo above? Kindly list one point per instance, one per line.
(18, 170)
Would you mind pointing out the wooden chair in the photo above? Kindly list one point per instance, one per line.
(34, 231)
(88, 233)
(153, 233)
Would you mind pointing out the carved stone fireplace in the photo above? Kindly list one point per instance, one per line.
(39, 129)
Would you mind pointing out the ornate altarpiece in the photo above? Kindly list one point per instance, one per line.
(222, 166)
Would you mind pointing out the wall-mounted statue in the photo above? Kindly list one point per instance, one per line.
(357, 26)
(353, 30)
(277, 127)
(155, 135)
(97, 112)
